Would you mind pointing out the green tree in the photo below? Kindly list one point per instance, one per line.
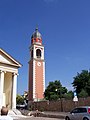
(82, 82)
(69, 95)
(19, 99)
(54, 90)
(83, 94)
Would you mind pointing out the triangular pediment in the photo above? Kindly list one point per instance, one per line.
(5, 58)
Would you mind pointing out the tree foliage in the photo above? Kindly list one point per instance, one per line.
(19, 99)
(55, 91)
(69, 95)
(82, 83)
(83, 93)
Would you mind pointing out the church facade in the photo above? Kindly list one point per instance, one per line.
(8, 79)
(36, 83)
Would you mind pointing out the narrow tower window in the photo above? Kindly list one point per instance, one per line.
(38, 53)
(32, 54)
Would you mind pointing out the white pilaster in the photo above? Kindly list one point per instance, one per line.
(43, 77)
(1, 87)
(34, 79)
(14, 90)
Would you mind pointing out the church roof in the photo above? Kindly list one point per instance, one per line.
(8, 59)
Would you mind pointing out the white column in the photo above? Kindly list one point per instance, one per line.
(1, 87)
(14, 90)
(34, 63)
(43, 77)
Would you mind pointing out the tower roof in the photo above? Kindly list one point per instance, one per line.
(36, 34)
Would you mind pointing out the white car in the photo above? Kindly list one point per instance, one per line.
(79, 113)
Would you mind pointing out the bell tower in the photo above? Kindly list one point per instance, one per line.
(36, 68)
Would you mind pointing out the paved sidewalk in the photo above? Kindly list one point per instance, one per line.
(46, 115)
(37, 118)
(50, 114)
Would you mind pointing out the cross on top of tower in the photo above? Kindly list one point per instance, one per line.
(36, 29)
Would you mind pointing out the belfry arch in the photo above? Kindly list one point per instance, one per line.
(38, 53)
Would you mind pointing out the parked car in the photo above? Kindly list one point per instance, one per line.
(79, 113)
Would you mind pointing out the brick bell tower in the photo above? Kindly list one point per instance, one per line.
(36, 68)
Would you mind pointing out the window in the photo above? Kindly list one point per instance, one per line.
(79, 110)
(38, 53)
(76, 110)
(82, 110)
(32, 54)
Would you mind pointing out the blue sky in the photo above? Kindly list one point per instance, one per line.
(65, 29)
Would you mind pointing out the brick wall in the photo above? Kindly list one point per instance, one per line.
(60, 105)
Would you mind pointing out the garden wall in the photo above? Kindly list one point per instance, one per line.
(60, 105)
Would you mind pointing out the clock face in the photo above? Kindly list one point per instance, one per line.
(39, 64)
